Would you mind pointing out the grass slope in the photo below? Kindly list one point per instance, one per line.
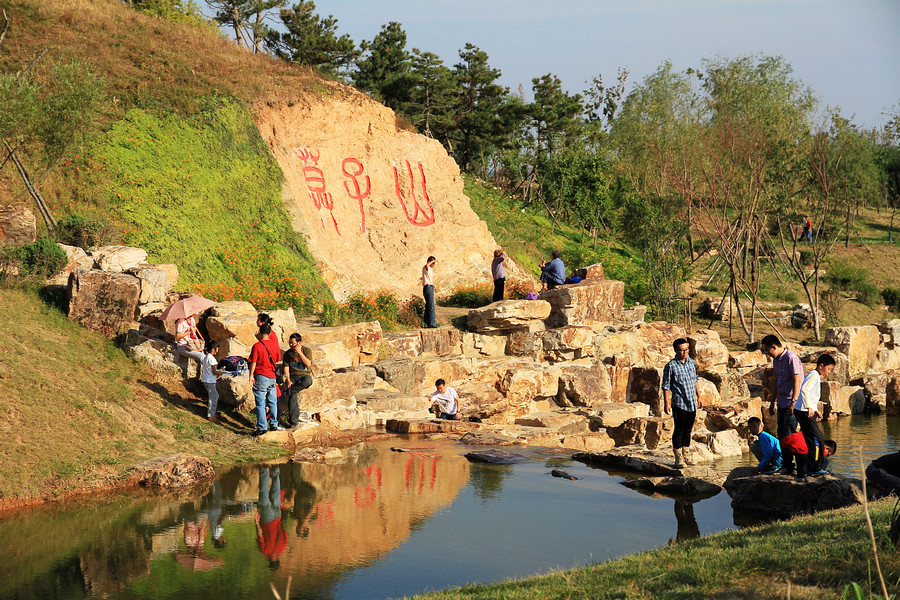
(803, 558)
(75, 412)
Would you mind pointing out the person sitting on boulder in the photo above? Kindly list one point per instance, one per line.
(681, 395)
(883, 475)
(296, 377)
(553, 273)
(445, 401)
(766, 448)
(793, 447)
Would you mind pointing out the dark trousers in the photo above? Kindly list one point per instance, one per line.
(684, 423)
(787, 424)
(293, 392)
(498, 289)
(815, 441)
(430, 318)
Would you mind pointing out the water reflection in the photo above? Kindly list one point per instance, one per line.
(687, 522)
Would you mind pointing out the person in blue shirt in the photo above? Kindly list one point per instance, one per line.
(553, 273)
(679, 386)
(766, 448)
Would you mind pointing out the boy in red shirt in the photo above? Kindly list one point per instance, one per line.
(794, 446)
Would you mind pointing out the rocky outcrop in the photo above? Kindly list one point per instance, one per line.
(172, 471)
(676, 486)
(102, 301)
(784, 496)
(860, 344)
(118, 259)
(584, 385)
(593, 303)
(508, 315)
(18, 226)
(361, 340)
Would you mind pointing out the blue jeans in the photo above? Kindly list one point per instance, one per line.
(430, 317)
(264, 393)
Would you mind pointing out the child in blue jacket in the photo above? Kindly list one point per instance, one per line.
(766, 448)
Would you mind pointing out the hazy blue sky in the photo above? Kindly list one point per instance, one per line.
(848, 51)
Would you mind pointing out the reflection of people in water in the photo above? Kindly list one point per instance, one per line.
(270, 533)
(194, 539)
(687, 523)
(214, 513)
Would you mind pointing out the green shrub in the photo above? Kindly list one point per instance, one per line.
(891, 297)
(470, 296)
(412, 313)
(845, 278)
(42, 258)
(75, 229)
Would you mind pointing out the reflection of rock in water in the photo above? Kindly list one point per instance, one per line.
(487, 480)
(348, 514)
(115, 558)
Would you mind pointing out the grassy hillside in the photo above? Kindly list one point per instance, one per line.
(529, 237)
(76, 412)
(178, 166)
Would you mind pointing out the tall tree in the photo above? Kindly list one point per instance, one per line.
(384, 67)
(431, 90)
(246, 18)
(311, 40)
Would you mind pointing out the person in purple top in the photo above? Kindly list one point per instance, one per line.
(498, 271)
(788, 379)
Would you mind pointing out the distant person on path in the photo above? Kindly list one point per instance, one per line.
(498, 271)
(188, 341)
(679, 385)
(807, 229)
(296, 376)
(553, 273)
(806, 410)
(788, 379)
(444, 401)
(428, 292)
(766, 448)
(262, 375)
(883, 475)
(209, 375)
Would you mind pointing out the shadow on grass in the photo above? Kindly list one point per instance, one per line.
(231, 418)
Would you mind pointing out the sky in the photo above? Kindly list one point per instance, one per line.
(847, 51)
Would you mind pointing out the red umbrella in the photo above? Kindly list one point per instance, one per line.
(186, 307)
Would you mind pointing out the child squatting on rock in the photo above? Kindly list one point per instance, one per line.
(766, 448)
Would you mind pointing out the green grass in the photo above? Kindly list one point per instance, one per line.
(529, 236)
(79, 413)
(807, 557)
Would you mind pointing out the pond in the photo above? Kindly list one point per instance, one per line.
(378, 524)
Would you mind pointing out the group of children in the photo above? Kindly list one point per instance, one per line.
(807, 447)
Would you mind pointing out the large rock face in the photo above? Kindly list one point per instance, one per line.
(860, 344)
(102, 301)
(593, 302)
(375, 201)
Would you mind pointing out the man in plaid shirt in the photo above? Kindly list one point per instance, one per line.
(679, 385)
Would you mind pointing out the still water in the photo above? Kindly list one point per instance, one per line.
(379, 524)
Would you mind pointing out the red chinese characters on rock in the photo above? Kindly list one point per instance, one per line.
(352, 169)
(315, 184)
(420, 216)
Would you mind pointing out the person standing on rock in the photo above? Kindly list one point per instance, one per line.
(553, 273)
(788, 379)
(428, 292)
(498, 271)
(681, 395)
(262, 375)
(806, 410)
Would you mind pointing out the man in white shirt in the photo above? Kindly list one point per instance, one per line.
(444, 401)
(806, 411)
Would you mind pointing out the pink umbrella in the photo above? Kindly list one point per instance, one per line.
(186, 307)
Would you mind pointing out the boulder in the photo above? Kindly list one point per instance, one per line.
(678, 486)
(118, 259)
(847, 398)
(588, 386)
(284, 323)
(723, 443)
(598, 441)
(327, 356)
(234, 347)
(593, 302)
(840, 373)
(734, 416)
(479, 345)
(708, 351)
(653, 462)
(784, 496)
(75, 257)
(172, 471)
(233, 319)
(620, 376)
(18, 226)
(417, 375)
(649, 431)
(555, 420)
(494, 457)
(892, 396)
(160, 355)
(154, 283)
(891, 329)
(697, 454)
(507, 315)
(523, 385)
(482, 402)
(341, 417)
(860, 344)
(748, 360)
(887, 359)
(334, 389)
(730, 385)
(526, 343)
(594, 271)
(101, 301)
(362, 340)
(644, 387)
(613, 414)
(635, 314)
(236, 391)
(644, 344)
(707, 394)
(803, 317)
(566, 343)
(403, 344)
(441, 341)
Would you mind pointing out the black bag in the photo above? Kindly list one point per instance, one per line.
(279, 375)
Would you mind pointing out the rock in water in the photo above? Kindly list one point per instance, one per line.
(496, 457)
(563, 475)
(784, 495)
(173, 471)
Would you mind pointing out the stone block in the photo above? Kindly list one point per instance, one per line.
(240, 326)
(860, 344)
(613, 414)
(566, 343)
(18, 226)
(593, 302)
(334, 389)
(890, 328)
(843, 402)
(75, 257)
(236, 391)
(644, 387)
(708, 351)
(417, 375)
(620, 376)
(730, 385)
(441, 341)
(635, 314)
(707, 394)
(584, 385)
(482, 401)
(649, 431)
(154, 283)
(748, 360)
(886, 359)
(479, 345)
(402, 344)
(103, 302)
(507, 315)
(362, 340)
(341, 417)
(328, 355)
(529, 384)
(725, 443)
(118, 259)
(284, 323)
(840, 373)
(599, 441)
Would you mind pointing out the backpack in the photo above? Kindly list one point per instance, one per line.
(234, 364)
